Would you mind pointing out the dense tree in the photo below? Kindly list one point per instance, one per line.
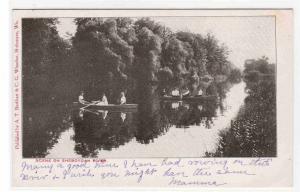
(261, 65)
(235, 75)
(175, 56)
(259, 68)
(162, 31)
(108, 55)
(44, 70)
(253, 132)
(194, 44)
(44, 53)
(147, 52)
(104, 53)
(117, 54)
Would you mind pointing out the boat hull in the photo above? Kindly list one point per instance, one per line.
(109, 107)
(124, 107)
(189, 99)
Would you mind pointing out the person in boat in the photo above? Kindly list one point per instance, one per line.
(81, 99)
(186, 92)
(200, 92)
(164, 93)
(122, 99)
(103, 100)
(175, 93)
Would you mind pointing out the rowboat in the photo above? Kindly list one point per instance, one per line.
(189, 98)
(114, 107)
(108, 107)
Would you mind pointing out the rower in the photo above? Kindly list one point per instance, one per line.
(102, 101)
(186, 93)
(175, 92)
(81, 98)
(200, 92)
(122, 98)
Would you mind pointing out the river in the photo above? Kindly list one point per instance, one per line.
(177, 130)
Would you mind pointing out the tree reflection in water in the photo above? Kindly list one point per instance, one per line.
(106, 130)
(42, 126)
(103, 130)
(150, 122)
(94, 133)
(185, 114)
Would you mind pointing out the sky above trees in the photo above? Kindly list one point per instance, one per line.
(246, 37)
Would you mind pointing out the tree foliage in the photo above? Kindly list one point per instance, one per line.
(253, 132)
(118, 54)
(259, 68)
(104, 53)
(44, 53)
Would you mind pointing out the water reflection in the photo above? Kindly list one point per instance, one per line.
(155, 129)
(98, 131)
(184, 114)
(102, 131)
(150, 121)
(42, 126)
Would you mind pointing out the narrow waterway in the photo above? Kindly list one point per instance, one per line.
(193, 140)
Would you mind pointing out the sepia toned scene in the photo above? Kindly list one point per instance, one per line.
(129, 87)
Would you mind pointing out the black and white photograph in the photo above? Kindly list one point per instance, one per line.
(149, 87)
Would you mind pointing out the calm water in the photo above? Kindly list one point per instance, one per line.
(158, 129)
(169, 129)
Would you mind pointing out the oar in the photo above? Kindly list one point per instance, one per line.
(91, 111)
(92, 103)
(84, 108)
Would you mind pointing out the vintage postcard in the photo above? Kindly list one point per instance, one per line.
(152, 98)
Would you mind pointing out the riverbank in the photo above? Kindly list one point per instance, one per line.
(253, 132)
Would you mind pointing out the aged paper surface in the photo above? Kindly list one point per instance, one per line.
(152, 98)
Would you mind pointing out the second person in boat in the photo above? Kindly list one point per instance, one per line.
(103, 100)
